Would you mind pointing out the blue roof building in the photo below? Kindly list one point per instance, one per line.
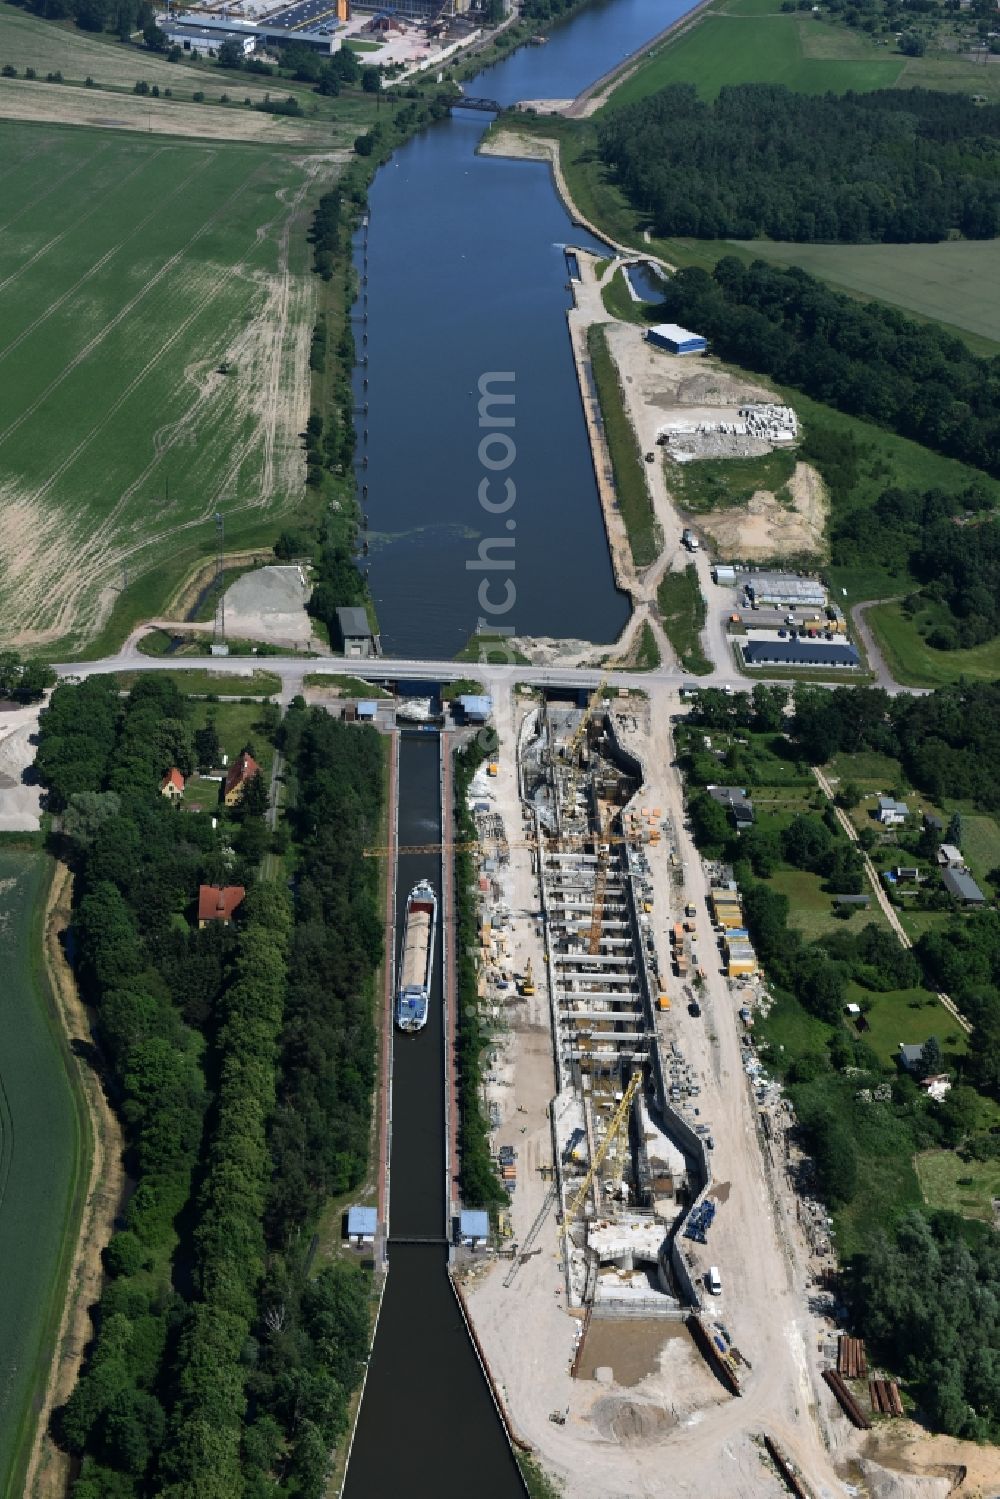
(476, 708)
(675, 339)
(473, 1227)
(362, 1224)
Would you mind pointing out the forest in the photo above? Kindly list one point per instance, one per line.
(868, 360)
(240, 1060)
(892, 166)
(945, 543)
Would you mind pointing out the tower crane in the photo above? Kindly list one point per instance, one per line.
(619, 1122)
(573, 844)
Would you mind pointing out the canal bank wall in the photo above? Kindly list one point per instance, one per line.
(389, 966)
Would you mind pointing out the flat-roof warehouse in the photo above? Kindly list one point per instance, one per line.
(676, 340)
(799, 653)
(783, 589)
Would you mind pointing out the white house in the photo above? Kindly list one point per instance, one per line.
(891, 813)
(949, 857)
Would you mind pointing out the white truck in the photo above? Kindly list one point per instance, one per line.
(690, 540)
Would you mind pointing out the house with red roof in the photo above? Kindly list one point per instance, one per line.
(172, 785)
(219, 903)
(242, 770)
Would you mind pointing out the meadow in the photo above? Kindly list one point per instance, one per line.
(739, 43)
(156, 307)
(916, 664)
(953, 283)
(41, 1163)
(755, 41)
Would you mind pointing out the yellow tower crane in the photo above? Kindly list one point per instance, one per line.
(542, 845)
(619, 1123)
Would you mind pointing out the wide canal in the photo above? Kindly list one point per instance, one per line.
(467, 279)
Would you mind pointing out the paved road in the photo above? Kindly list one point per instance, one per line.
(293, 669)
(880, 671)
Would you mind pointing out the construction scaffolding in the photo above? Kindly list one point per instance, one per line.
(578, 785)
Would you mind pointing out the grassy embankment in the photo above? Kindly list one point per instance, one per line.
(44, 1146)
(682, 609)
(632, 493)
(199, 683)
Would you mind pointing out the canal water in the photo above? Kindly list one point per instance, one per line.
(467, 277)
(427, 1424)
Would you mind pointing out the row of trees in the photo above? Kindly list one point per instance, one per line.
(945, 739)
(868, 360)
(201, 1458)
(121, 16)
(310, 1332)
(137, 863)
(220, 1365)
(888, 166)
(479, 1182)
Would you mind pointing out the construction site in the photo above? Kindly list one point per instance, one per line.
(627, 1164)
(641, 1302)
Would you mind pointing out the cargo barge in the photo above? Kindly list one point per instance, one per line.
(417, 958)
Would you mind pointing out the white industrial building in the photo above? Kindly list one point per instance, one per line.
(206, 35)
(784, 590)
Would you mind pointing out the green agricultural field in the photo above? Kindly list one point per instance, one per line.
(42, 1159)
(953, 283)
(26, 41)
(732, 46)
(156, 304)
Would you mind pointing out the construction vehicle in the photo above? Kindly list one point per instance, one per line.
(526, 987)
